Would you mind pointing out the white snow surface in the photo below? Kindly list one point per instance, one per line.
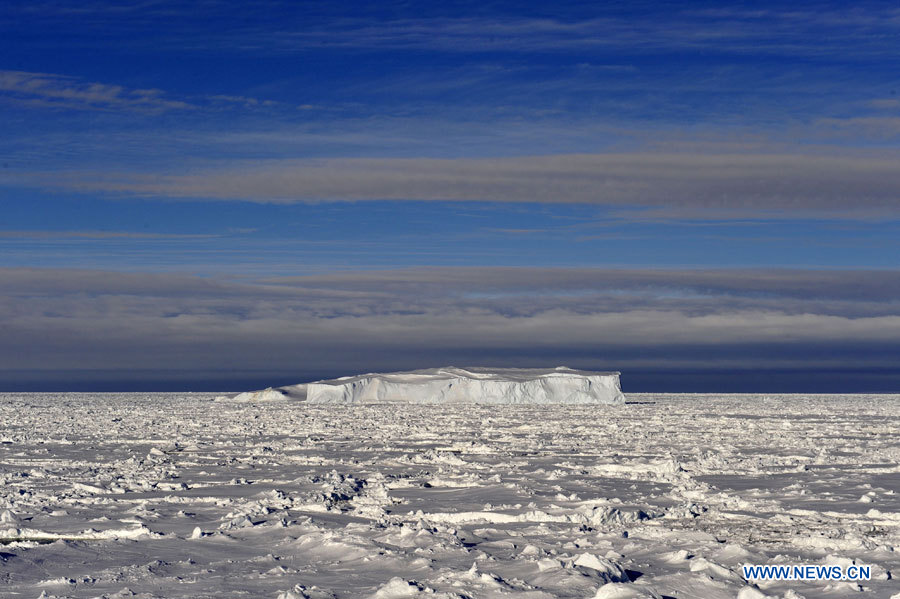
(470, 385)
(180, 496)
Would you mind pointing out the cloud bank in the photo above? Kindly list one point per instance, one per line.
(593, 318)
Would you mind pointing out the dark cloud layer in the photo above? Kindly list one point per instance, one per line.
(645, 320)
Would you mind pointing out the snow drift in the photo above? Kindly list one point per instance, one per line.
(472, 385)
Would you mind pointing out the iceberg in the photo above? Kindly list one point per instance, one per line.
(559, 385)
(267, 394)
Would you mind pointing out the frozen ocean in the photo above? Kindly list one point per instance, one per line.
(194, 495)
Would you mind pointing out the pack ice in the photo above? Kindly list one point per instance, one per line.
(559, 385)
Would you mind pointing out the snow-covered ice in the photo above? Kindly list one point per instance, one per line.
(470, 385)
(187, 496)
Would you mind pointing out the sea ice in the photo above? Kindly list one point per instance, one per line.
(158, 495)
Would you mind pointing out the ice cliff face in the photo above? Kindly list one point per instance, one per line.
(472, 385)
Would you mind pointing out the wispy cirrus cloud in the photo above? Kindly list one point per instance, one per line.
(721, 185)
(287, 27)
(244, 101)
(61, 91)
(872, 127)
(788, 32)
(96, 235)
(874, 285)
(56, 91)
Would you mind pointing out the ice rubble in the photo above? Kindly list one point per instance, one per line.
(559, 385)
(363, 501)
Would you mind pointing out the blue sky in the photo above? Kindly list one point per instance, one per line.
(607, 154)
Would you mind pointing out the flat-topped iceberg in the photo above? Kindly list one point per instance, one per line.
(473, 385)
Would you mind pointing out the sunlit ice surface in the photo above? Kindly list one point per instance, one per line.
(187, 495)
